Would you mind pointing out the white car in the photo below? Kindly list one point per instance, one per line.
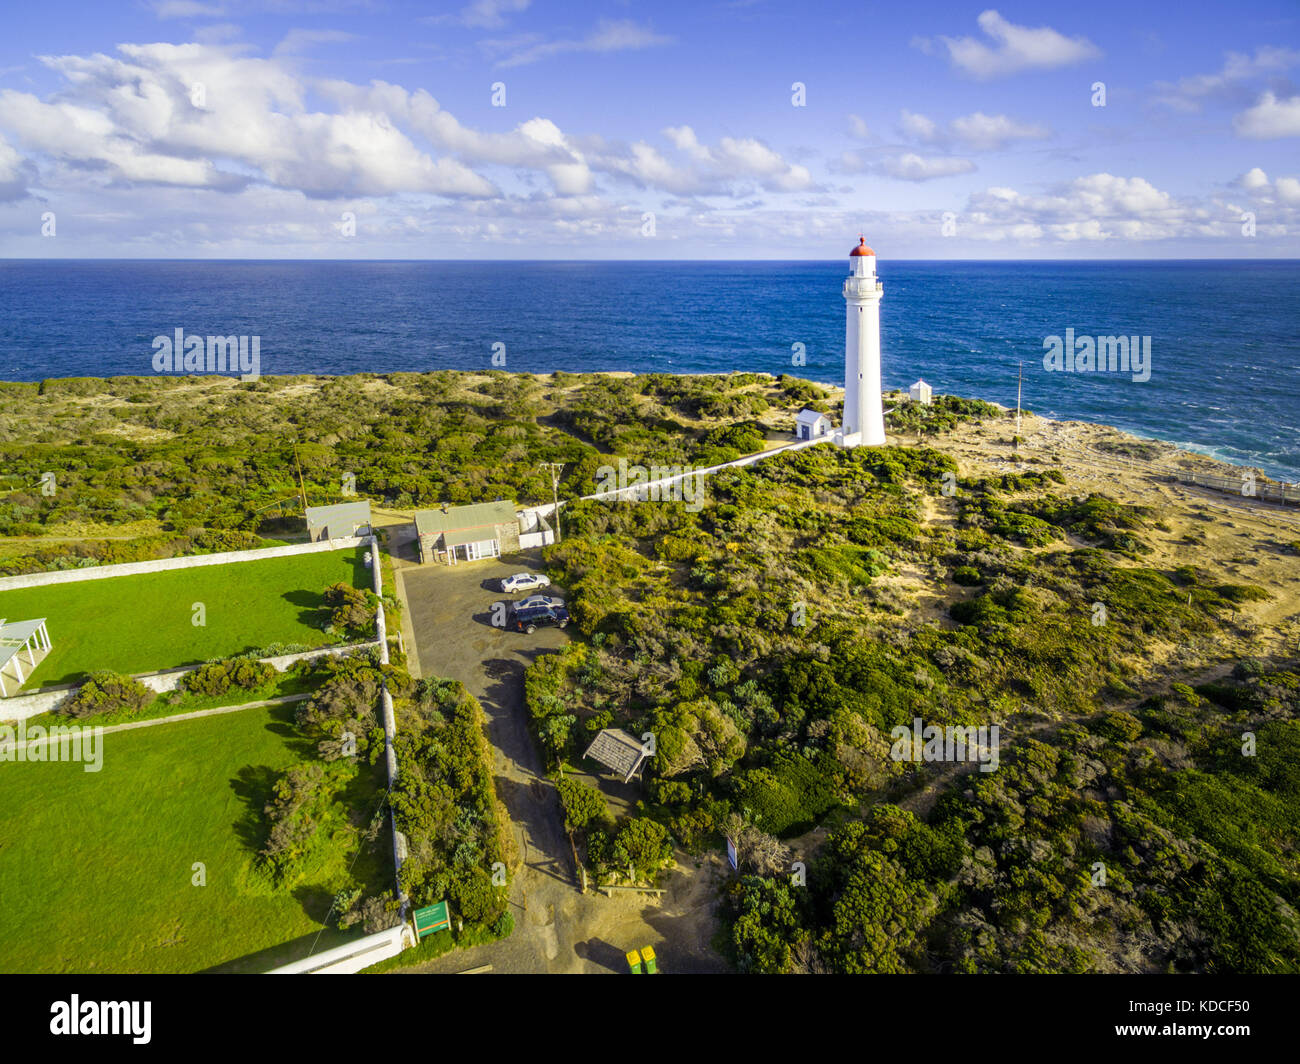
(524, 582)
(533, 602)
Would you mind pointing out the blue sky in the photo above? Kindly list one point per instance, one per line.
(503, 128)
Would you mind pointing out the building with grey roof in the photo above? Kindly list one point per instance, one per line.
(466, 533)
(340, 521)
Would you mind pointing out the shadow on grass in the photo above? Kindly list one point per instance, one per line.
(361, 571)
(314, 612)
(284, 723)
(252, 786)
(285, 953)
(316, 900)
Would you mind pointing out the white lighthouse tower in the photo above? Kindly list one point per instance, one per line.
(864, 415)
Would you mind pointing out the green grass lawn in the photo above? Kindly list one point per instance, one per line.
(96, 868)
(145, 623)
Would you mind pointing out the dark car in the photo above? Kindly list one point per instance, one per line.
(532, 618)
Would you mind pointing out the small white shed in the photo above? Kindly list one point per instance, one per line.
(809, 424)
(920, 391)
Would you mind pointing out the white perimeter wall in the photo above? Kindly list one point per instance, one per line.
(23, 707)
(189, 561)
(353, 956)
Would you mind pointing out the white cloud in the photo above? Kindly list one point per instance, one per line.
(210, 117)
(298, 40)
(187, 9)
(1256, 184)
(721, 169)
(1098, 207)
(912, 167)
(972, 132)
(981, 132)
(15, 173)
(1270, 118)
(1015, 48)
(684, 140)
(619, 35)
(483, 14)
(858, 127)
(916, 126)
(1228, 84)
(136, 119)
(1253, 179)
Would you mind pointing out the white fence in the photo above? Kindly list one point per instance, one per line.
(189, 561)
(529, 516)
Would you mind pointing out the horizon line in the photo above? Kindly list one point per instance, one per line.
(160, 258)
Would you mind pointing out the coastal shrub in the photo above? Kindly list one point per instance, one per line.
(303, 817)
(768, 923)
(1238, 593)
(352, 610)
(342, 716)
(445, 804)
(643, 844)
(107, 692)
(583, 804)
(850, 565)
(375, 913)
(225, 539)
(789, 795)
(218, 677)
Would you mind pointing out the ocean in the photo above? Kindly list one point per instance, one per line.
(1224, 335)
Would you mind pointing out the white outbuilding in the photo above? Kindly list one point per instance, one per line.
(810, 424)
(340, 521)
(920, 391)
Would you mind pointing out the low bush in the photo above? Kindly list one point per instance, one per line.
(107, 692)
(218, 677)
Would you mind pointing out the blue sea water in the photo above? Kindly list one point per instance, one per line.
(1225, 335)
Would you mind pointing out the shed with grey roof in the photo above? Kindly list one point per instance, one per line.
(618, 751)
(339, 521)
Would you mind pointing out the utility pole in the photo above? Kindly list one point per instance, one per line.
(301, 487)
(1019, 378)
(555, 468)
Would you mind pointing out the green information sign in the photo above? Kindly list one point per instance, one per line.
(432, 918)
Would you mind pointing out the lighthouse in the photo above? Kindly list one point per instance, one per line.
(864, 416)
